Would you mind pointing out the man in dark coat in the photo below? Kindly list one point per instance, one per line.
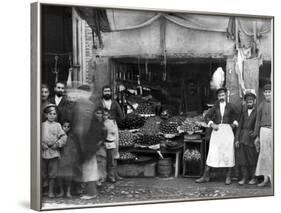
(246, 154)
(222, 117)
(116, 114)
(64, 106)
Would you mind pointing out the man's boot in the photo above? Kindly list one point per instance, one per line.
(244, 175)
(206, 176)
(51, 193)
(228, 177)
(111, 174)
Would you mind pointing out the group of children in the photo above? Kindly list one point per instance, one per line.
(65, 159)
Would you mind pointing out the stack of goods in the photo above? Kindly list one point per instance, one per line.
(125, 155)
(126, 138)
(145, 108)
(148, 140)
(177, 119)
(151, 126)
(132, 121)
(191, 155)
(192, 125)
(168, 129)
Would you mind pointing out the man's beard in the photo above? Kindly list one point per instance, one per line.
(250, 107)
(107, 97)
(59, 94)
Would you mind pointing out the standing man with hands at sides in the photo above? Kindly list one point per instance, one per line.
(222, 117)
(247, 155)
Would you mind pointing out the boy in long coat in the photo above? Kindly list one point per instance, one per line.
(246, 154)
(222, 117)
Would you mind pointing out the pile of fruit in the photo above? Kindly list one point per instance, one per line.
(132, 121)
(145, 108)
(177, 119)
(126, 138)
(191, 125)
(148, 140)
(125, 155)
(191, 155)
(151, 126)
(167, 127)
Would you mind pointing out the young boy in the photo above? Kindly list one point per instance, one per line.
(247, 155)
(111, 144)
(69, 158)
(263, 131)
(53, 138)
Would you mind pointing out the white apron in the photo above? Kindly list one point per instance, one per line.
(221, 149)
(90, 170)
(265, 160)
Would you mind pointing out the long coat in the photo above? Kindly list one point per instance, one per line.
(246, 128)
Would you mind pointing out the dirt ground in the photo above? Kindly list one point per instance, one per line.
(153, 189)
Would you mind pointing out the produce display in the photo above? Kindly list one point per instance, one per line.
(177, 119)
(167, 127)
(192, 124)
(151, 126)
(126, 138)
(125, 155)
(145, 108)
(148, 140)
(191, 155)
(132, 121)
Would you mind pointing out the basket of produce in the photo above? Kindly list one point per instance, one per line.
(126, 138)
(148, 140)
(127, 156)
(132, 121)
(145, 109)
(151, 126)
(169, 129)
(192, 155)
(192, 125)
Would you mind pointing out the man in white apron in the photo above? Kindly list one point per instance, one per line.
(264, 141)
(221, 118)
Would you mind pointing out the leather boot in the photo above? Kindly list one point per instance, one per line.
(206, 176)
(51, 193)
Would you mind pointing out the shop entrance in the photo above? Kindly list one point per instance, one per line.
(182, 85)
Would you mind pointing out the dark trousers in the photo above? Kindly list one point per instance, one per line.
(91, 188)
(50, 168)
(111, 164)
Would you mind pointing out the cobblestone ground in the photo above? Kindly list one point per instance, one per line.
(153, 189)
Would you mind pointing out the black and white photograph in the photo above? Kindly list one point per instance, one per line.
(139, 106)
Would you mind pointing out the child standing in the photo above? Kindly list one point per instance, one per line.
(69, 158)
(53, 138)
(245, 148)
(111, 144)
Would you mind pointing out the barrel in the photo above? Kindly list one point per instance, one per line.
(164, 167)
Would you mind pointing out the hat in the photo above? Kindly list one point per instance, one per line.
(249, 94)
(221, 89)
(267, 87)
(48, 106)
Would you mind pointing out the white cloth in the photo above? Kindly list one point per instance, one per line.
(107, 104)
(57, 100)
(250, 111)
(222, 108)
(265, 160)
(90, 170)
(221, 149)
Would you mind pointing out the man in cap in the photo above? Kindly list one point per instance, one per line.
(246, 154)
(222, 117)
(263, 142)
